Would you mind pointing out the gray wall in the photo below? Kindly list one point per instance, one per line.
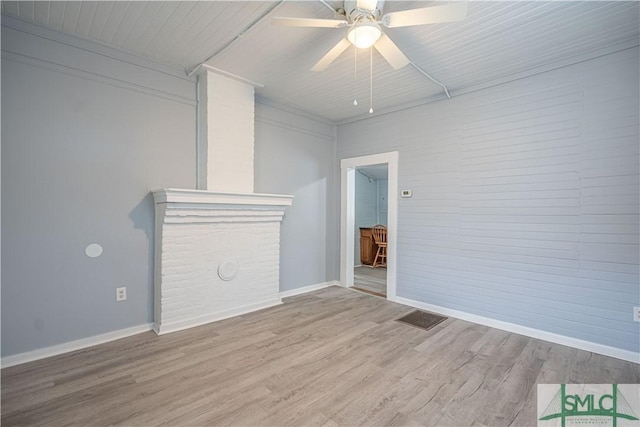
(525, 199)
(383, 204)
(296, 155)
(87, 133)
(84, 138)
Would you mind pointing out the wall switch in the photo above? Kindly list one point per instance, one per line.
(636, 314)
(121, 294)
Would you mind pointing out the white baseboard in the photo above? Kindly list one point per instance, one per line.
(243, 310)
(55, 350)
(309, 288)
(58, 349)
(605, 350)
(164, 328)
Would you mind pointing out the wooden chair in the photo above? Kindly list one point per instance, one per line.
(379, 233)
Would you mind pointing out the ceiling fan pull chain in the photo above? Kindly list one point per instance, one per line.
(355, 76)
(371, 80)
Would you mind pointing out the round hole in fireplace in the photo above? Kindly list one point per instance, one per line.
(228, 270)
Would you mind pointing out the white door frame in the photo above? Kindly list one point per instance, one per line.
(347, 216)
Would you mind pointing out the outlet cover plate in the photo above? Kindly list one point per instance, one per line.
(121, 294)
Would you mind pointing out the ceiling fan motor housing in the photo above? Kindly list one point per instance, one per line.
(369, 9)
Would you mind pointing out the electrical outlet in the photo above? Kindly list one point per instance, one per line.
(636, 314)
(121, 294)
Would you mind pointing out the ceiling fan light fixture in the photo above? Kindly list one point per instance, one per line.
(364, 35)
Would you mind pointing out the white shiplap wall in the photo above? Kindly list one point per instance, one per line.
(525, 200)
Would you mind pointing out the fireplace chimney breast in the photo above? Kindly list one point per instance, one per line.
(226, 115)
(217, 249)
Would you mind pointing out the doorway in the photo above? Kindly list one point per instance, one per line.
(370, 261)
(349, 169)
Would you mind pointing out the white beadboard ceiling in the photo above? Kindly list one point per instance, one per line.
(498, 41)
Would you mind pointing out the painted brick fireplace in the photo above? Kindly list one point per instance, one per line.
(217, 249)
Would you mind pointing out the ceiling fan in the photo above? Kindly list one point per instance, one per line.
(364, 20)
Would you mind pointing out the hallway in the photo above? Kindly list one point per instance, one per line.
(371, 280)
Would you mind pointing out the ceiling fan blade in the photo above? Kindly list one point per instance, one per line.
(391, 52)
(331, 55)
(428, 15)
(367, 4)
(308, 22)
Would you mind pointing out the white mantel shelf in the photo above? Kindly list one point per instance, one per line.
(173, 195)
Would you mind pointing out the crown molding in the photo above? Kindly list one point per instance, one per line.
(260, 99)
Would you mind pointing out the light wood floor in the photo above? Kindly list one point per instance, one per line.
(331, 357)
(371, 279)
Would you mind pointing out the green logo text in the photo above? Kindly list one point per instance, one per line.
(612, 405)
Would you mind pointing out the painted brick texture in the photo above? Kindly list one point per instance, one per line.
(193, 241)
